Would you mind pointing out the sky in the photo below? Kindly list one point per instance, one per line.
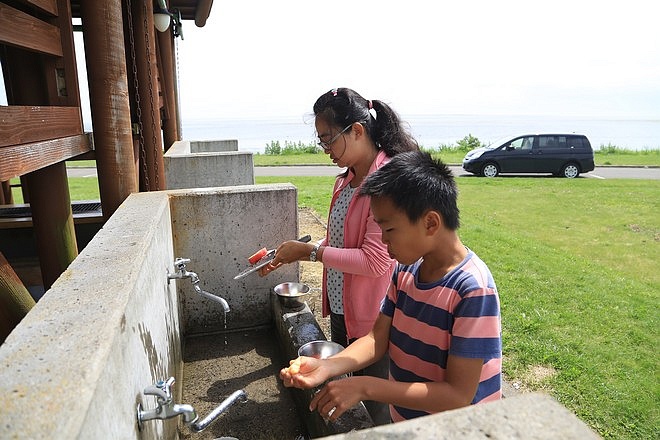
(261, 59)
(266, 59)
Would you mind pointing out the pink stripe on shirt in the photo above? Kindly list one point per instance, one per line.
(432, 372)
(482, 327)
(423, 332)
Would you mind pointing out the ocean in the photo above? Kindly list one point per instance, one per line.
(433, 130)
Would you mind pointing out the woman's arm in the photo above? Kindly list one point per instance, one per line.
(371, 258)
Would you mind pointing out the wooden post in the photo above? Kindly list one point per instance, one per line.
(52, 220)
(109, 102)
(15, 300)
(147, 70)
(48, 188)
(6, 197)
(168, 87)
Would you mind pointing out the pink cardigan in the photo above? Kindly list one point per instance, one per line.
(364, 260)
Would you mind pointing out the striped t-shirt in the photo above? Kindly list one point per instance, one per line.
(457, 315)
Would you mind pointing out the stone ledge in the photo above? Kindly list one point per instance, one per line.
(528, 416)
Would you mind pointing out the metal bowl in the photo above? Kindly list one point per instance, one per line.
(320, 349)
(292, 295)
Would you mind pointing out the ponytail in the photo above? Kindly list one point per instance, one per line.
(343, 106)
(389, 131)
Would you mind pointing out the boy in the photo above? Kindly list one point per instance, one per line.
(440, 320)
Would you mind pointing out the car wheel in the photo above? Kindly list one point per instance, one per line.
(490, 170)
(570, 171)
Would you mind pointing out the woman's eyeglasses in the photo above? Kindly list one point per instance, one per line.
(326, 145)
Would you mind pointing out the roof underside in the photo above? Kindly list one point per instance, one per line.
(198, 10)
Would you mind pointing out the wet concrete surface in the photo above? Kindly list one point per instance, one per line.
(250, 360)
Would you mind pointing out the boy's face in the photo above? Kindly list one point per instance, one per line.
(402, 237)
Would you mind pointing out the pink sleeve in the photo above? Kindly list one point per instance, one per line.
(370, 259)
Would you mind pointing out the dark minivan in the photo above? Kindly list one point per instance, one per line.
(565, 155)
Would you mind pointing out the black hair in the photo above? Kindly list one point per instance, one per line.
(342, 106)
(416, 183)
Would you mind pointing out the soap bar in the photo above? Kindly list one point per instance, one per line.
(258, 255)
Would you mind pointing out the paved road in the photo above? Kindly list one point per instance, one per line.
(320, 170)
(598, 173)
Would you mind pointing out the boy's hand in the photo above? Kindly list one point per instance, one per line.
(303, 372)
(338, 396)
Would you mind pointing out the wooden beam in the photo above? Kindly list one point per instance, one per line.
(25, 124)
(48, 6)
(17, 160)
(27, 32)
(61, 74)
(202, 12)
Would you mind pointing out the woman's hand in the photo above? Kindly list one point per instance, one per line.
(287, 252)
(268, 268)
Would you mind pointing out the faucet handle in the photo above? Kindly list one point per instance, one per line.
(180, 263)
(162, 390)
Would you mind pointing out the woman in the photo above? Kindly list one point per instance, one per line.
(361, 136)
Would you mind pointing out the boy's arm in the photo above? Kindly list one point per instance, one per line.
(367, 349)
(306, 372)
(458, 390)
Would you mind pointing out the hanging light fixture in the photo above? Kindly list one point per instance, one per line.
(162, 17)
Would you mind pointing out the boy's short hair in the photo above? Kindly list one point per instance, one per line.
(416, 183)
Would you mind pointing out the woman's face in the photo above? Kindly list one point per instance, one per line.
(334, 141)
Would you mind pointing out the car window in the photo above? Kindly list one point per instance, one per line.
(523, 143)
(548, 141)
(575, 142)
(516, 144)
(561, 142)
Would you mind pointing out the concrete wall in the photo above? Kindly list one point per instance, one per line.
(186, 168)
(213, 146)
(218, 228)
(76, 366)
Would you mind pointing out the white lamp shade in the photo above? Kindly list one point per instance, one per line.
(161, 21)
